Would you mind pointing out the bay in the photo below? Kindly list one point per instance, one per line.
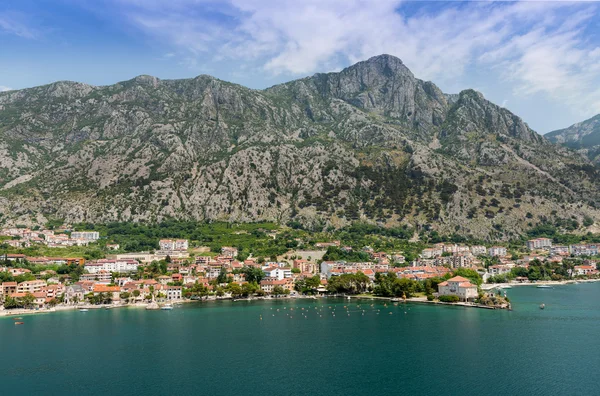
(316, 347)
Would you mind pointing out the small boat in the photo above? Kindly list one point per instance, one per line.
(349, 298)
(542, 306)
(544, 287)
(395, 299)
(19, 323)
(167, 307)
(506, 287)
(19, 318)
(83, 310)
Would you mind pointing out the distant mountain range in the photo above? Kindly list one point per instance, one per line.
(583, 137)
(371, 143)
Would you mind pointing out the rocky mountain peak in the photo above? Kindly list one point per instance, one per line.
(147, 80)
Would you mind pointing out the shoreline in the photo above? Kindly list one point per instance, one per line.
(417, 300)
(490, 286)
(7, 313)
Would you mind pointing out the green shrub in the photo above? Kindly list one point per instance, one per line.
(430, 297)
(450, 298)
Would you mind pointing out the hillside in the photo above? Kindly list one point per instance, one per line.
(371, 142)
(583, 137)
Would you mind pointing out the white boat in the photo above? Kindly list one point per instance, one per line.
(83, 310)
(506, 287)
(544, 287)
(167, 307)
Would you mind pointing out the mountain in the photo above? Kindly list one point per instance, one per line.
(371, 143)
(583, 137)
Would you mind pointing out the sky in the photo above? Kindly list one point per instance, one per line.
(539, 59)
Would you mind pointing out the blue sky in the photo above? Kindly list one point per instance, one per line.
(540, 60)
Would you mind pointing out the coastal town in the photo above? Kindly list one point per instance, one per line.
(175, 272)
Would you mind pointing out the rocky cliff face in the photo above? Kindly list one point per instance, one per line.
(371, 142)
(583, 137)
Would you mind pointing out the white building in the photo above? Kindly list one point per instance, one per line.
(478, 250)
(539, 243)
(458, 286)
(228, 251)
(497, 251)
(277, 272)
(87, 235)
(499, 269)
(584, 250)
(112, 266)
(173, 244)
(171, 292)
(559, 250)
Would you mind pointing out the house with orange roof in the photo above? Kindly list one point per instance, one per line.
(458, 286)
(585, 270)
(114, 291)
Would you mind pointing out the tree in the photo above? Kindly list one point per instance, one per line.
(222, 278)
(345, 283)
(136, 293)
(249, 289)
(253, 274)
(296, 270)
(278, 291)
(234, 289)
(470, 274)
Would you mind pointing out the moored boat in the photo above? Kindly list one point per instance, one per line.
(544, 287)
(542, 306)
(167, 307)
(83, 310)
(19, 323)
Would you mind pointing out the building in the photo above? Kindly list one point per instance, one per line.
(173, 244)
(228, 251)
(267, 285)
(86, 235)
(74, 294)
(499, 269)
(478, 250)
(559, 250)
(34, 286)
(103, 276)
(8, 288)
(112, 291)
(458, 286)
(172, 292)
(497, 251)
(539, 243)
(277, 272)
(115, 265)
(586, 270)
(584, 250)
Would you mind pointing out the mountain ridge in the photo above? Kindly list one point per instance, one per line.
(324, 150)
(582, 136)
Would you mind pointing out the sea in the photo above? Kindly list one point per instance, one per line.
(312, 347)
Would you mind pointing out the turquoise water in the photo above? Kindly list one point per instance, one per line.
(224, 348)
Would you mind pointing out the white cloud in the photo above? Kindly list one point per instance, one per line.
(16, 23)
(537, 47)
(4, 88)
